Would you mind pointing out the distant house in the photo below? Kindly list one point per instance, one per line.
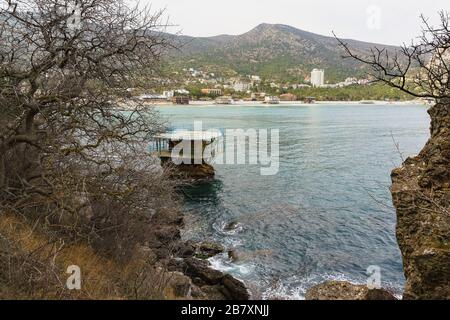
(225, 100)
(180, 100)
(258, 96)
(271, 100)
(216, 92)
(168, 94)
(273, 85)
(242, 87)
(288, 97)
(152, 97)
(182, 92)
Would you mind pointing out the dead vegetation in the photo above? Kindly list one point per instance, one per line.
(77, 186)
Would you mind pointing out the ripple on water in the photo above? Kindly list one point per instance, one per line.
(327, 214)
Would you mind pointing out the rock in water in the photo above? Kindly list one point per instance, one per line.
(194, 171)
(201, 269)
(216, 281)
(233, 256)
(233, 225)
(235, 288)
(421, 195)
(209, 249)
(336, 290)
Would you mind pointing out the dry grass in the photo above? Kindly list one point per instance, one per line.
(33, 266)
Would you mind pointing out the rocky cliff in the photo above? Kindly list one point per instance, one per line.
(421, 194)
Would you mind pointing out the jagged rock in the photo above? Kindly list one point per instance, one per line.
(213, 292)
(209, 249)
(185, 249)
(194, 171)
(201, 269)
(421, 194)
(236, 289)
(233, 255)
(178, 285)
(198, 294)
(233, 225)
(337, 290)
(215, 283)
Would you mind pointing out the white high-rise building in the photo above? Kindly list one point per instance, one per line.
(318, 77)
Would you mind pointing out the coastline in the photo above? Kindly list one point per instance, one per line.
(293, 103)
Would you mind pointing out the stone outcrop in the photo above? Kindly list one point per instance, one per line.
(199, 269)
(208, 249)
(192, 171)
(211, 280)
(337, 290)
(421, 195)
(234, 288)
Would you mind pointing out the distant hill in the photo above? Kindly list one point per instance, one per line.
(272, 51)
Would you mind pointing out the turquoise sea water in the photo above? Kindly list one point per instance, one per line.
(327, 214)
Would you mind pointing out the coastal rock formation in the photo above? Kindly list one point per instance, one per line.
(192, 171)
(209, 249)
(421, 195)
(337, 290)
(197, 171)
(234, 288)
(211, 280)
(200, 269)
(177, 285)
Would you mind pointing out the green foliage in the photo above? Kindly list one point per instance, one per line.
(353, 93)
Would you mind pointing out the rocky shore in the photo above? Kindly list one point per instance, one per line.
(421, 195)
(339, 290)
(187, 272)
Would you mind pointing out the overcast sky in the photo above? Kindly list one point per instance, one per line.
(381, 21)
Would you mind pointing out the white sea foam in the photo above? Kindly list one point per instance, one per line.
(294, 288)
(222, 263)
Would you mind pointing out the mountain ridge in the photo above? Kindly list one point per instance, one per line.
(274, 51)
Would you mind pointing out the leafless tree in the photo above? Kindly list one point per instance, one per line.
(72, 148)
(420, 69)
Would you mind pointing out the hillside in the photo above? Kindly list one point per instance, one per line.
(271, 51)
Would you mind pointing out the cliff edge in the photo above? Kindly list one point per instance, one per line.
(421, 195)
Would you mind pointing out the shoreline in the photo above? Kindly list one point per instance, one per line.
(292, 103)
